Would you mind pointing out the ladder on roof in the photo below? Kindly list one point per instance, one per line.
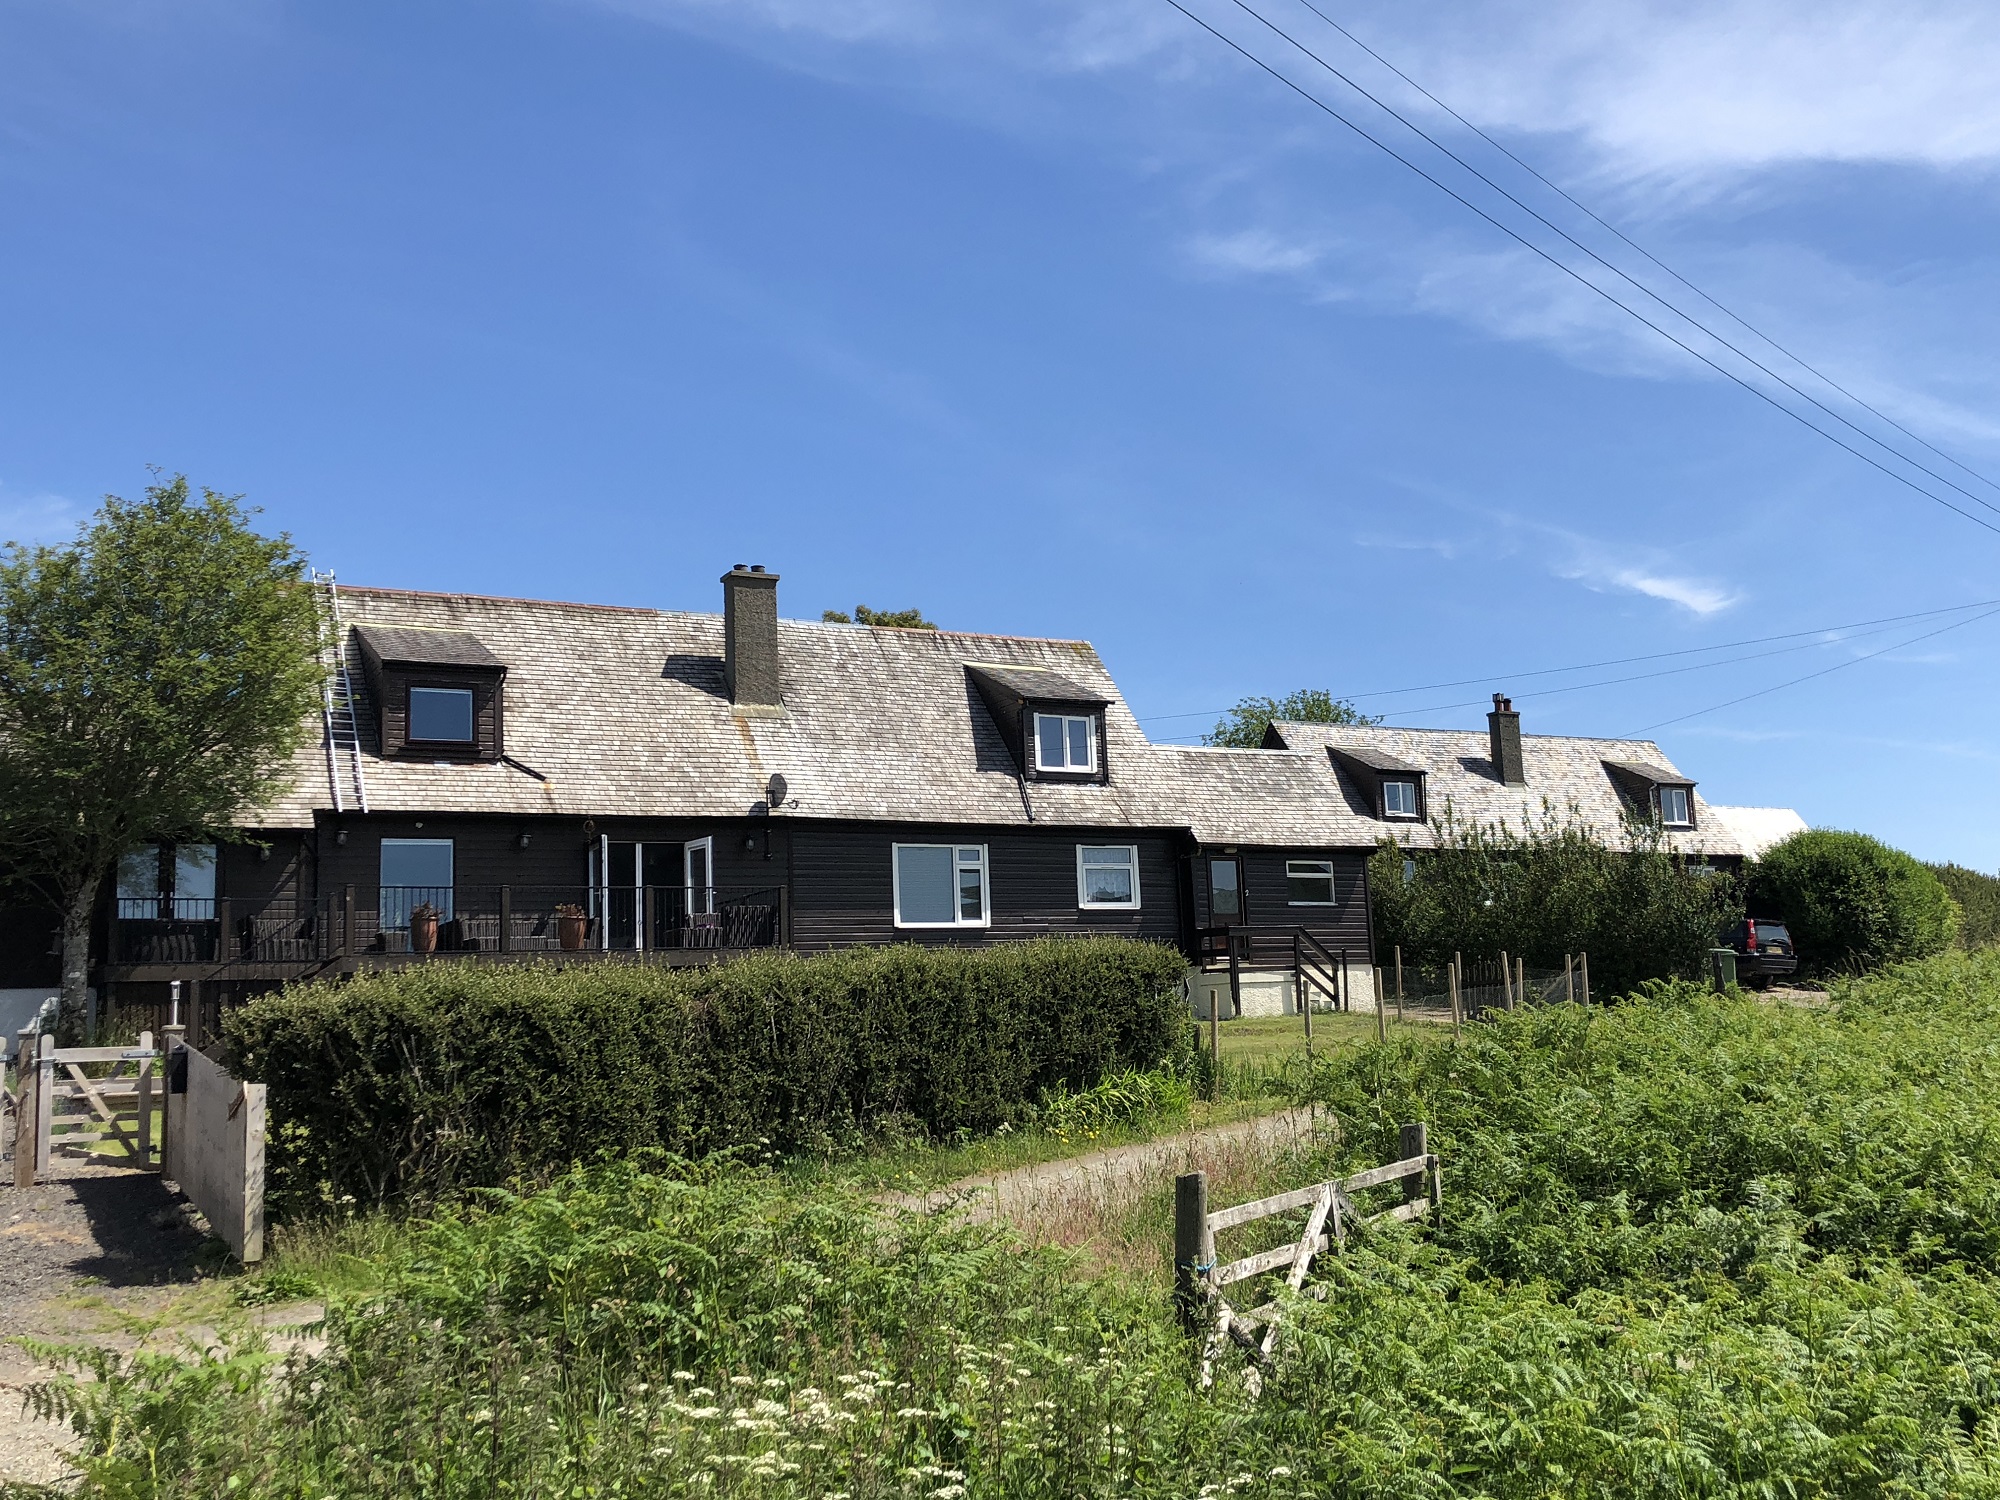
(337, 702)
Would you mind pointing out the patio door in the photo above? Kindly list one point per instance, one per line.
(631, 869)
(1225, 892)
(698, 870)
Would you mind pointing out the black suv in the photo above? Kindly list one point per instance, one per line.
(1763, 950)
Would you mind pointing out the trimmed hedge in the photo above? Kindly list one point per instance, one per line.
(1852, 902)
(434, 1078)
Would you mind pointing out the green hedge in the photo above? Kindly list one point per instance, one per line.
(1852, 902)
(438, 1077)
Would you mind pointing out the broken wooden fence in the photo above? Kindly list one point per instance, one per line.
(1200, 1275)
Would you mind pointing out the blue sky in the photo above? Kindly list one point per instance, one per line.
(1058, 318)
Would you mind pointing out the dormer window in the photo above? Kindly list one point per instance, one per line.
(437, 694)
(1676, 807)
(1065, 742)
(441, 716)
(1399, 799)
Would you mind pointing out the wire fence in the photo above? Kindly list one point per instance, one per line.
(1464, 989)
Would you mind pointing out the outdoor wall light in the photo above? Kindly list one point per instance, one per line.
(522, 841)
(340, 836)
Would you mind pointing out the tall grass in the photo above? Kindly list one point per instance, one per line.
(1691, 1246)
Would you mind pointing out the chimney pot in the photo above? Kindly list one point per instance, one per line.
(756, 567)
(750, 637)
(1503, 738)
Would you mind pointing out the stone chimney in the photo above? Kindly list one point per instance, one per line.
(1503, 737)
(750, 639)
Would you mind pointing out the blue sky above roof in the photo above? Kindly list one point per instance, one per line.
(1056, 319)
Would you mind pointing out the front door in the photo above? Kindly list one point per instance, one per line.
(1225, 892)
(698, 870)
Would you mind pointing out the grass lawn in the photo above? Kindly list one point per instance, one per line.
(1271, 1040)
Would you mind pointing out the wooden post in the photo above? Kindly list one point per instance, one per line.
(1235, 981)
(506, 941)
(1381, 1006)
(1521, 980)
(225, 946)
(1214, 1045)
(1569, 978)
(1457, 997)
(346, 920)
(45, 1103)
(1506, 979)
(170, 1038)
(1303, 995)
(146, 1157)
(1191, 1247)
(1399, 983)
(1344, 985)
(1583, 973)
(646, 893)
(1412, 1141)
(26, 1112)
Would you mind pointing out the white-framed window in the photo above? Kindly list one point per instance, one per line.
(441, 715)
(1676, 807)
(1309, 882)
(1399, 799)
(1065, 742)
(941, 885)
(1107, 876)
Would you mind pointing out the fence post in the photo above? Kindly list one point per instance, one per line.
(1191, 1249)
(146, 1100)
(1299, 990)
(174, 1036)
(1457, 996)
(1412, 1141)
(1399, 984)
(45, 1103)
(1381, 1006)
(225, 944)
(26, 1111)
(506, 942)
(1345, 996)
(346, 920)
(1583, 970)
(1569, 978)
(1507, 978)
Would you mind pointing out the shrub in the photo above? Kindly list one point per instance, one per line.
(439, 1077)
(1640, 911)
(1852, 902)
(1978, 898)
(1133, 1097)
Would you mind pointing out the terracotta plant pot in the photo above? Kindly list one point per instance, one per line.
(571, 932)
(423, 934)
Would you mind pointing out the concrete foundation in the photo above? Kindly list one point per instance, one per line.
(1270, 992)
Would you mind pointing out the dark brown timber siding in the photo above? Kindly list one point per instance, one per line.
(1266, 899)
(843, 890)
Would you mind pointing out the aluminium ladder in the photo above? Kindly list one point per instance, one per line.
(337, 702)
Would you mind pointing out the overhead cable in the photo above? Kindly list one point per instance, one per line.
(1570, 271)
(1612, 228)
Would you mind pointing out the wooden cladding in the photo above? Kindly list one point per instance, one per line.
(392, 687)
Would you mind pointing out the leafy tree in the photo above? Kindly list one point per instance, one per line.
(1852, 902)
(1640, 910)
(1978, 898)
(156, 677)
(901, 619)
(1244, 725)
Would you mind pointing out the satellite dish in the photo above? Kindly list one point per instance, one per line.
(774, 792)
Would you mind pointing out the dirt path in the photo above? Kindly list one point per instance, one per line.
(82, 1256)
(1059, 1190)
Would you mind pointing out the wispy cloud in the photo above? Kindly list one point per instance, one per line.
(39, 517)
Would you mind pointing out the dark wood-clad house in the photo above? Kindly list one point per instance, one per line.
(503, 778)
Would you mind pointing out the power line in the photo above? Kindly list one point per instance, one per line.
(1606, 224)
(1837, 666)
(1620, 273)
(1616, 661)
(1566, 269)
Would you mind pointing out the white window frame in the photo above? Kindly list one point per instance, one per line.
(1687, 795)
(1083, 901)
(1398, 812)
(1317, 868)
(958, 862)
(1089, 722)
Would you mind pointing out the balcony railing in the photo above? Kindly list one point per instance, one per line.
(361, 920)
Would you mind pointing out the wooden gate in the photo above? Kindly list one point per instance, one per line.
(1200, 1276)
(61, 1106)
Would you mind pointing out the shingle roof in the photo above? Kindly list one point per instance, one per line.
(625, 713)
(400, 645)
(1563, 772)
(1758, 828)
(1034, 683)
